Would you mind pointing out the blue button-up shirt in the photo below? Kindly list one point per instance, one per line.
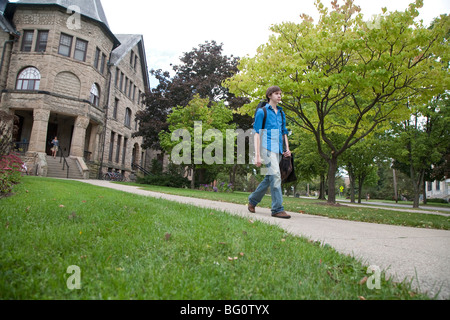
(272, 136)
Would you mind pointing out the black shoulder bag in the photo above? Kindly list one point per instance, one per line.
(287, 169)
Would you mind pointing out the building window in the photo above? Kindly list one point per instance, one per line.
(102, 66)
(95, 95)
(129, 90)
(80, 50)
(128, 117)
(97, 58)
(119, 141)
(29, 79)
(111, 147)
(117, 77)
(124, 151)
(27, 40)
(116, 107)
(438, 185)
(65, 45)
(429, 186)
(42, 39)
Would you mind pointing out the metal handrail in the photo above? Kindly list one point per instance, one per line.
(138, 167)
(65, 163)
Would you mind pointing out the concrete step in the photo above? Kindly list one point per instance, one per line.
(55, 168)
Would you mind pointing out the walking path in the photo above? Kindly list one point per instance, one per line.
(404, 208)
(420, 255)
(401, 207)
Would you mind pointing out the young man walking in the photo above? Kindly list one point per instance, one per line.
(269, 150)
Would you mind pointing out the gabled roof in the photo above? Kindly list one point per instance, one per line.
(3, 4)
(5, 25)
(128, 42)
(91, 9)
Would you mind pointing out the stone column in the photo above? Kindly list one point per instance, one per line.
(79, 136)
(93, 142)
(39, 131)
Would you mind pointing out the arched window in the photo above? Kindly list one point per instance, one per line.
(95, 95)
(128, 117)
(29, 79)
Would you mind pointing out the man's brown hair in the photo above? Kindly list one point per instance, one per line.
(272, 90)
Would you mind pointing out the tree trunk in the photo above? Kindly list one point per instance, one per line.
(416, 198)
(332, 168)
(322, 188)
(360, 186)
(417, 181)
(193, 178)
(424, 191)
(351, 177)
(233, 174)
(395, 186)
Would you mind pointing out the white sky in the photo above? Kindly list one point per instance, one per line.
(172, 27)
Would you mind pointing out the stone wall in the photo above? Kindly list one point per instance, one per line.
(51, 63)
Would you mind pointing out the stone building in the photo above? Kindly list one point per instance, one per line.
(65, 74)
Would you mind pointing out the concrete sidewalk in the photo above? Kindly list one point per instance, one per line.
(420, 255)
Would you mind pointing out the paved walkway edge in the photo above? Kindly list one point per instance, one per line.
(421, 256)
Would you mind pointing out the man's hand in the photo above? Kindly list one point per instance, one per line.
(258, 161)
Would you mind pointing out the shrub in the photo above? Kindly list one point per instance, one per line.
(225, 187)
(165, 180)
(437, 201)
(8, 127)
(173, 177)
(221, 187)
(10, 173)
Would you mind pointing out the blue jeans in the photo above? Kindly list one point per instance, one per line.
(272, 180)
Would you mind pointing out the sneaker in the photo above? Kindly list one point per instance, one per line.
(281, 215)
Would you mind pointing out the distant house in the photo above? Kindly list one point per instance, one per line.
(438, 190)
(65, 74)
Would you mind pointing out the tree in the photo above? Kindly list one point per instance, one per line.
(343, 77)
(153, 119)
(202, 125)
(200, 72)
(308, 163)
(419, 144)
(389, 182)
(360, 163)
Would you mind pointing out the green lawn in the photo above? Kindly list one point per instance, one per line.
(134, 247)
(316, 207)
